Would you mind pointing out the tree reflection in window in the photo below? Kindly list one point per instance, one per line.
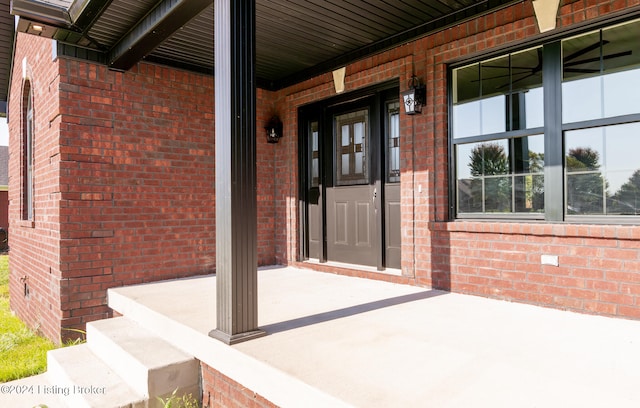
(585, 184)
(601, 168)
(627, 199)
(501, 176)
(490, 159)
(588, 190)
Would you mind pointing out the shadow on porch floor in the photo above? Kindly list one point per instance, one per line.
(336, 340)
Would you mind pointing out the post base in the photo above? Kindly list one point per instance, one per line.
(236, 338)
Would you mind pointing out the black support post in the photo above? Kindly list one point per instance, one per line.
(235, 140)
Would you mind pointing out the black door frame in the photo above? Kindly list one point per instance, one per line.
(321, 112)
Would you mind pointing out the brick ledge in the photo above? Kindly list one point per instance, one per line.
(625, 232)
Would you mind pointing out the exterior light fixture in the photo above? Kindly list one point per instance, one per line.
(274, 130)
(415, 97)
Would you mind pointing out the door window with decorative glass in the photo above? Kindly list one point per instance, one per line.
(351, 147)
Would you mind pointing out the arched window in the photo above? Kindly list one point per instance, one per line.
(27, 149)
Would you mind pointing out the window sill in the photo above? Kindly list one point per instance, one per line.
(525, 227)
(25, 223)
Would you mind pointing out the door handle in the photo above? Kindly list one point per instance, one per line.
(374, 197)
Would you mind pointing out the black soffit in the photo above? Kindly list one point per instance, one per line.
(295, 39)
(6, 51)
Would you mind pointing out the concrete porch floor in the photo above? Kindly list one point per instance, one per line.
(335, 340)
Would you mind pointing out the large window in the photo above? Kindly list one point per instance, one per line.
(584, 110)
(600, 104)
(498, 118)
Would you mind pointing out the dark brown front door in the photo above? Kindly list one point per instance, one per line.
(351, 201)
(351, 181)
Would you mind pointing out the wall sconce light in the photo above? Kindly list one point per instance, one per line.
(274, 130)
(415, 97)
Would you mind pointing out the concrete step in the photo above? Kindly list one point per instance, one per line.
(29, 392)
(88, 381)
(186, 324)
(148, 364)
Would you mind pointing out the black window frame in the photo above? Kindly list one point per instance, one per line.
(553, 131)
(509, 134)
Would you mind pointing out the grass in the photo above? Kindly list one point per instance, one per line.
(22, 352)
(174, 401)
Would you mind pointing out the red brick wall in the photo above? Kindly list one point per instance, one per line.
(220, 391)
(598, 271)
(267, 177)
(130, 186)
(136, 181)
(34, 259)
(599, 265)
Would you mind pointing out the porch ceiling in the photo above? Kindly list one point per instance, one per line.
(6, 47)
(295, 39)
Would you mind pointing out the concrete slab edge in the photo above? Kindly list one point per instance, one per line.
(274, 385)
